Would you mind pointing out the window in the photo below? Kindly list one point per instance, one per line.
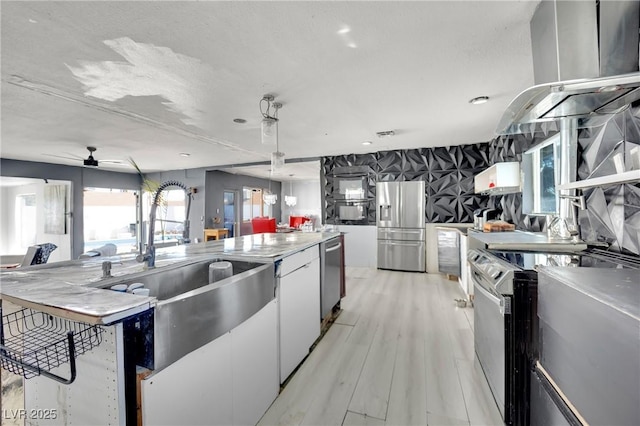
(170, 215)
(25, 215)
(110, 216)
(540, 165)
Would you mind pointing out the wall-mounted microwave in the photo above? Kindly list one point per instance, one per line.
(350, 183)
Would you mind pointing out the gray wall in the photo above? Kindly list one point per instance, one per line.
(210, 186)
(217, 182)
(80, 178)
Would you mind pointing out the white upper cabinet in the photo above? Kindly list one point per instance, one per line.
(501, 178)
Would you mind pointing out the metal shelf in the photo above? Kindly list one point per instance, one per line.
(626, 177)
(33, 343)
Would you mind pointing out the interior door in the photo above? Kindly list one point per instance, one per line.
(231, 213)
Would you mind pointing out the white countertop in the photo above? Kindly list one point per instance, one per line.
(524, 240)
(61, 289)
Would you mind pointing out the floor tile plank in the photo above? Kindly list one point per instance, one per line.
(444, 393)
(356, 419)
(408, 397)
(438, 420)
(481, 406)
(291, 405)
(371, 395)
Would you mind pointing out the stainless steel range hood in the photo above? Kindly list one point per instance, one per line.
(590, 102)
(593, 47)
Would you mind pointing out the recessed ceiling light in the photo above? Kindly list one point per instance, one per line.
(184, 154)
(239, 120)
(479, 100)
(366, 143)
(344, 30)
(386, 133)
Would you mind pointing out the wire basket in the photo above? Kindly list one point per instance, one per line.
(33, 343)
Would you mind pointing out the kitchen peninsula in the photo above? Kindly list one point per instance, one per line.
(229, 344)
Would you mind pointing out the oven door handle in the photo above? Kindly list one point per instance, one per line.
(492, 297)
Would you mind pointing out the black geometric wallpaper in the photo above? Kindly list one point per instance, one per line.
(447, 171)
(613, 212)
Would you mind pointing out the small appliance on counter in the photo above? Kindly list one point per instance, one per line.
(482, 216)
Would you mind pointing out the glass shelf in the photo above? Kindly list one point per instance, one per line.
(617, 179)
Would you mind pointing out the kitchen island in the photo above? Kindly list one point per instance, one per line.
(206, 353)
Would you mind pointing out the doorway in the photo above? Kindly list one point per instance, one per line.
(231, 218)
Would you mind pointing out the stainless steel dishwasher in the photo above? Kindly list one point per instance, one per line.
(330, 266)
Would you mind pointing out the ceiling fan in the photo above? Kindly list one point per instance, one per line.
(90, 161)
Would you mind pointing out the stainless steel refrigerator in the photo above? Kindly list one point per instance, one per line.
(401, 225)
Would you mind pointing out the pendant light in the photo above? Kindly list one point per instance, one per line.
(269, 123)
(290, 200)
(268, 197)
(269, 129)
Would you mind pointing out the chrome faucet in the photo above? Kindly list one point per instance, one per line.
(149, 255)
(106, 269)
(574, 201)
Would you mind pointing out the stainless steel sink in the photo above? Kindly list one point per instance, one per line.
(176, 280)
(191, 312)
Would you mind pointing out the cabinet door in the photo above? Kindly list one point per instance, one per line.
(254, 360)
(192, 391)
(299, 315)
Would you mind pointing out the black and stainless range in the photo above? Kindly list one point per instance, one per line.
(506, 336)
(503, 296)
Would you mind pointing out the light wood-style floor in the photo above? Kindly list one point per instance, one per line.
(400, 353)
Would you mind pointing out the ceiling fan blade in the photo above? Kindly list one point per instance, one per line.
(114, 163)
(66, 158)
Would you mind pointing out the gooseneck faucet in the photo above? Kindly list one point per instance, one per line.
(149, 255)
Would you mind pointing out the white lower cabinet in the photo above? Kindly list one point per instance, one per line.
(299, 308)
(230, 381)
(254, 365)
(195, 390)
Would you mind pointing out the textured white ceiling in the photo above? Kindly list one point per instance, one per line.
(150, 80)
